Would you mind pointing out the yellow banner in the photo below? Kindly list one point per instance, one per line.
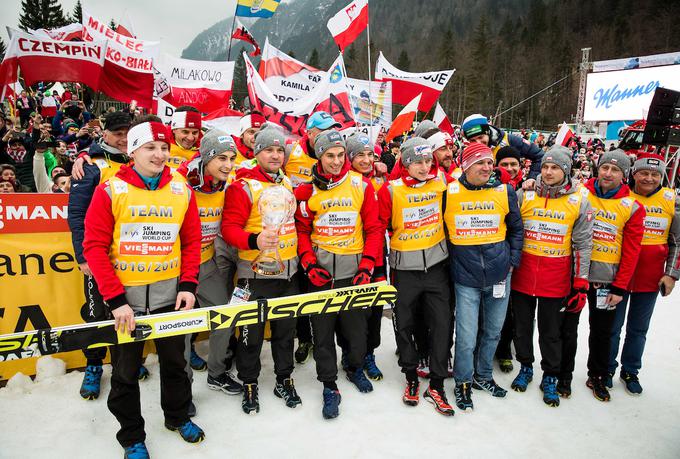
(40, 284)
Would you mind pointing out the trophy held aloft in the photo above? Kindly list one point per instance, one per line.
(277, 207)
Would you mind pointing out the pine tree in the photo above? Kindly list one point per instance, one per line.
(77, 14)
(112, 24)
(351, 57)
(479, 82)
(240, 88)
(3, 48)
(41, 14)
(314, 59)
(404, 63)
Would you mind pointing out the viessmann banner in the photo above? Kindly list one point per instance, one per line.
(626, 94)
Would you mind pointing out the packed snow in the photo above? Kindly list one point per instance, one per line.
(47, 418)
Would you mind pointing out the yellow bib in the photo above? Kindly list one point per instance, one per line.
(178, 155)
(287, 236)
(210, 207)
(475, 217)
(299, 166)
(660, 208)
(548, 224)
(107, 168)
(611, 216)
(338, 227)
(146, 247)
(417, 214)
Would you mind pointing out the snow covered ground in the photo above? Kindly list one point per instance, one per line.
(47, 418)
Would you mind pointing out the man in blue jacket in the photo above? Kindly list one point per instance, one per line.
(485, 233)
(476, 128)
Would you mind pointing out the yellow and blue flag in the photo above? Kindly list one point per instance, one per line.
(256, 8)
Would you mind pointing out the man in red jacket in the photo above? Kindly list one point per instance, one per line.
(142, 244)
(340, 238)
(657, 270)
(617, 237)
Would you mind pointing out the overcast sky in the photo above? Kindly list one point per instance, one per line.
(174, 22)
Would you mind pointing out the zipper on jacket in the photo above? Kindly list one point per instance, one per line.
(148, 309)
(424, 260)
(481, 258)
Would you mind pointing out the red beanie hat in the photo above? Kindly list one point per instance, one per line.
(474, 153)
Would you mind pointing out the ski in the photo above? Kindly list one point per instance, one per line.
(34, 343)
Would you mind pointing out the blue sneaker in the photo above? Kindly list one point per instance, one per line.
(331, 403)
(143, 374)
(549, 388)
(136, 451)
(632, 383)
(490, 386)
(189, 432)
(358, 378)
(523, 378)
(91, 385)
(196, 362)
(371, 368)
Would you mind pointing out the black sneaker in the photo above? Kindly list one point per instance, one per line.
(564, 388)
(287, 392)
(600, 392)
(632, 383)
(226, 383)
(490, 386)
(463, 393)
(609, 380)
(251, 401)
(303, 352)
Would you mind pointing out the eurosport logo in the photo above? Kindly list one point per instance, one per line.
(185, 325)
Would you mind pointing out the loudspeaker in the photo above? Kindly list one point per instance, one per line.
(660, 135)
(663, 115)
(664, 97)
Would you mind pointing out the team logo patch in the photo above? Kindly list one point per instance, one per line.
(223, 139)
(668, 195)
(120, 187)
(573, 199)
(421, 150)
(176, 188)
(626, 202)
(589, 216)
(356, 181)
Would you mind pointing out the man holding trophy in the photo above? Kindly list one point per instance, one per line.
(258, 221)
(340, 240)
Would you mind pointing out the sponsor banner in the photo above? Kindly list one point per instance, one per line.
(44, 59)
(286, 77)
(626, 94)
(201, 84)
(407, 85)
(330, 95)
(630, 63)
(37, 251)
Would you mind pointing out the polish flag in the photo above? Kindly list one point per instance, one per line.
(407, 85)
(241, 33)
(348, 23)
(404, 120)
(125, 28)
(441, 120)
(224, 119)
(564, 135)
(66, 33)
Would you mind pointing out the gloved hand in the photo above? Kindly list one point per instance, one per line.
(317, 274)
(363, 275)
(578, 296)
(379, 274)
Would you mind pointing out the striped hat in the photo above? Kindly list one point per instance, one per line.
(475, 125)
(147, 132)
(474, 153)
(184, 120)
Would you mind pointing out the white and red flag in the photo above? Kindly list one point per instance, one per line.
(407, 85)
(404, 120)
(42, 59)
(564, 135)
(241, 33)
(348, 23)
(67, 33)
(128, 70)
(441, 120)
(202, 84)
(125, 27)
(224, 119)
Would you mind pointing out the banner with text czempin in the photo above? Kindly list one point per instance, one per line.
(40, 284)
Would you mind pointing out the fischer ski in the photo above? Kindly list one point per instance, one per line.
(34, 343)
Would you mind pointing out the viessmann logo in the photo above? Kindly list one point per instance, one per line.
(185, 325)
(33, 213)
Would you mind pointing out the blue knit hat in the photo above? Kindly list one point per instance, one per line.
(475, 125)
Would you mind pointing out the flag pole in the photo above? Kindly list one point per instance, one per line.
(370, 77)
(233, 22)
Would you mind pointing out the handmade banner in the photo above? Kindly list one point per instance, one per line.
(201, 84)
(44, 59)
(286, 77)
(128, 70)
(407, 85)
(371, 101)
(40, 284)
(330, 95)
(626, 94)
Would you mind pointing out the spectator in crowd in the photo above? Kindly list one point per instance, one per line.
(7, 186)
(25, 105)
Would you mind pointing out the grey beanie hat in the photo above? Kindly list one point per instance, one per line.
(425, 129)
(649, 164)
(415, 149)
(618, 158)
(559, 155)
(269, 137)
(215, 142)
(356, 143)
(328, 139)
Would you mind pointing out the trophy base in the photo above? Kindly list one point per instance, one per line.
(268, 267)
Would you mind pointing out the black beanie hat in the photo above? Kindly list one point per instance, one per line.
(507, 152)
